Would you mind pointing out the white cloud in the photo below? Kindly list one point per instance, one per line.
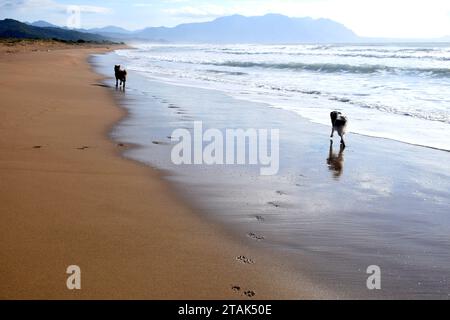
(48, 5)
(94, 9)
(22, 4)
(205, 11)
(142, 5)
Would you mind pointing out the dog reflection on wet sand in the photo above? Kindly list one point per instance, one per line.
(336, 161)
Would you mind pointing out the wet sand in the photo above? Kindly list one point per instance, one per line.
(332, 213)
(68, 198)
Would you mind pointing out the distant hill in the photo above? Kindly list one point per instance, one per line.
(107, 32)
(14, 29)
(271, 28)
(109, 29)
(43, 24)
(103, 30)
(112, 32)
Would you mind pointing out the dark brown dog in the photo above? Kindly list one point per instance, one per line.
(121, 75)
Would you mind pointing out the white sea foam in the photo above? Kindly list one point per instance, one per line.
(398, 92)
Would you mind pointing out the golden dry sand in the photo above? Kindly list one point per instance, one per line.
(67, 197)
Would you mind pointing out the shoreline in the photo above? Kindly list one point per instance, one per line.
(331, 246)
(69, 198)
(387, 113)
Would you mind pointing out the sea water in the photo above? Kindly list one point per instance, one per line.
(395, 91)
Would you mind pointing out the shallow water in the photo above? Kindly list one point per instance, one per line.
(379, 202)
(391, 91)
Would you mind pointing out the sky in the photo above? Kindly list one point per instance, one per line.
(369, 18)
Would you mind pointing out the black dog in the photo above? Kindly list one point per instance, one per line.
(339, 123)
(121, 75)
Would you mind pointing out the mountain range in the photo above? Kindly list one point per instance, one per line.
(271, 28)
(267, 29)
(14, 29)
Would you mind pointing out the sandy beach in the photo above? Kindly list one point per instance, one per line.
(86, 179)
(68, 198)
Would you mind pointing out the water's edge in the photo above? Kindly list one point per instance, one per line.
(241, 223)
